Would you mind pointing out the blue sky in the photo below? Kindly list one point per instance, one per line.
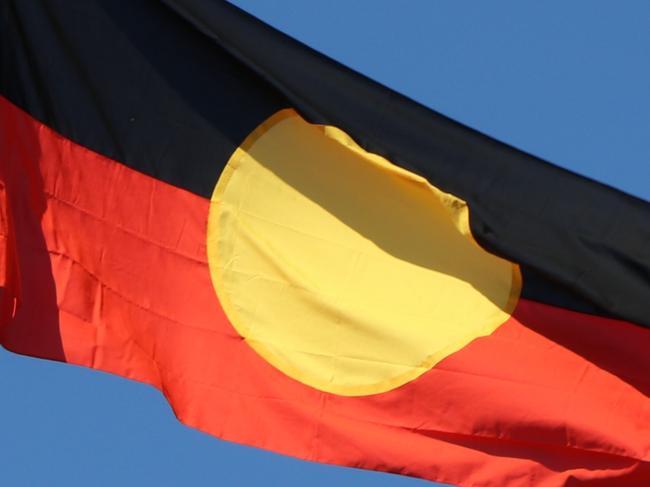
(567, 81)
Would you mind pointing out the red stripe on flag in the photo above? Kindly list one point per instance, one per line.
(109, 271)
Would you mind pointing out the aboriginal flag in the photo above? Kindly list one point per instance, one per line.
(305, 261)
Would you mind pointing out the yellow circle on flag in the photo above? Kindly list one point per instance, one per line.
(342, 270)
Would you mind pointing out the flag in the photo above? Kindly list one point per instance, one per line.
(305, 261)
